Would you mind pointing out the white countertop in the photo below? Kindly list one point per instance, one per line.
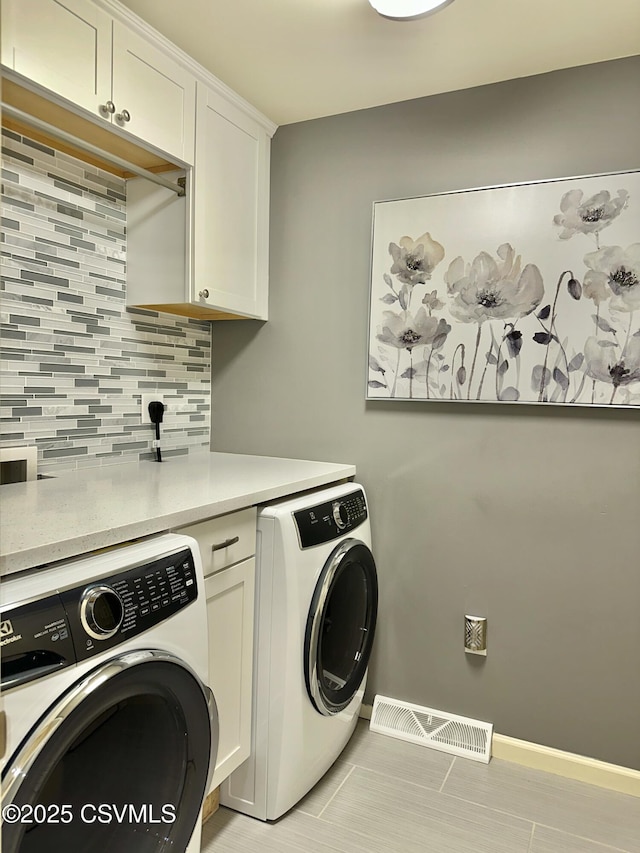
(47, 520)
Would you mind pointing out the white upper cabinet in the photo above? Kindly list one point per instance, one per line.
(75, 63)
(230, 209)
(206, 255)
(154, 96)
(98, 64)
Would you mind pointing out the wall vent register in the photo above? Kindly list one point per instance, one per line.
(439, 730)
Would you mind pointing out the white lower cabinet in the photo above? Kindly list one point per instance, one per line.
(230, 613)
(227, 546)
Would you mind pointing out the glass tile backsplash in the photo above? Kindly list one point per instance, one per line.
(74, 360)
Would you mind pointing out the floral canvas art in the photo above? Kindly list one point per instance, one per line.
(525, 293)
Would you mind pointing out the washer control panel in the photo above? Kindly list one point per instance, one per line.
(112, 610)
(35, 641)
(330, 520)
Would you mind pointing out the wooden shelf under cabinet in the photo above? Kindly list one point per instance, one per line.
(58, 116)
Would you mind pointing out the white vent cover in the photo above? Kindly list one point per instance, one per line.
(436, 729)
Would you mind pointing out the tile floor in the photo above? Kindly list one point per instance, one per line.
(387, 796)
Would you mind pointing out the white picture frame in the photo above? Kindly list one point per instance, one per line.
(520, 293)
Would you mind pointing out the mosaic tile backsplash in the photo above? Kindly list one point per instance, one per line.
(74, 360)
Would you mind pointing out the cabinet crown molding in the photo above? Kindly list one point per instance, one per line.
(126, 16)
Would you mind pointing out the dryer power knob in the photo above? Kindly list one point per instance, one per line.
(101, 612)
(340, 515)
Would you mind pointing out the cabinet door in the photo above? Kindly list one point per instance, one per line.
(230, 617)
(231, 208)
(154, 96)
(63, 45)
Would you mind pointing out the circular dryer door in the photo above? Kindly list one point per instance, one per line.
(120, 763)
(340, 627)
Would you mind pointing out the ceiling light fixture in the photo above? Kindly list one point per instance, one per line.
(407, 10)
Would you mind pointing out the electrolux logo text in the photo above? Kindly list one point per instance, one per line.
(6, 630)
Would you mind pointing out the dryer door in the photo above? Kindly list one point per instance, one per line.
(340, 627)
(121, 762)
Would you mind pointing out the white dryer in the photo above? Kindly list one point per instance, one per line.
(316, 608)
(111, 731)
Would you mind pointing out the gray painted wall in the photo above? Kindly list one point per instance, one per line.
(527, 515)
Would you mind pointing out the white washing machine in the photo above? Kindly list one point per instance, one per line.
(316, 608)
(111, 731)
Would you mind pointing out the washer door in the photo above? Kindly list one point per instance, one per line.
(340, 627)
(120, 763)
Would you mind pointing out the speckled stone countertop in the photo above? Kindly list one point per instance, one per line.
(48, 520)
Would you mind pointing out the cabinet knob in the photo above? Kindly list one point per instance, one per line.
(125, 115)
(108, 109)
(204, 294)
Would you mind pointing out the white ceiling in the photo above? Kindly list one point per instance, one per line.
(302, 59)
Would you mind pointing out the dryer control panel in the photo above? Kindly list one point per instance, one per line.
(114, 609)
(330, 520)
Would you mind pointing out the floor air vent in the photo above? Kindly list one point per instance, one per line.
(436, 729)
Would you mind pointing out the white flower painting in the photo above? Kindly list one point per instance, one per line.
(527, 293)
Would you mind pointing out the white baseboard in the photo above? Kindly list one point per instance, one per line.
(568, 764)
(612, 776)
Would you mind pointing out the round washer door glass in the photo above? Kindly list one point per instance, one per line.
(341, 626)
(125, 771)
